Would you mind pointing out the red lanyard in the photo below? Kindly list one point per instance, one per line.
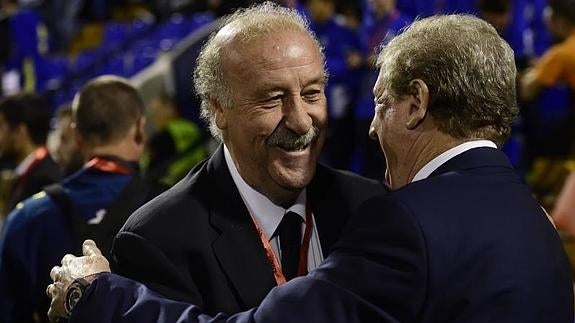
(106, 165)
(271, 257)
(39, 154)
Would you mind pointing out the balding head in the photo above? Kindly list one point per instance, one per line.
(246, 27)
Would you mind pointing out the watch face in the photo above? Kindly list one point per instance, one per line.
(74, 293)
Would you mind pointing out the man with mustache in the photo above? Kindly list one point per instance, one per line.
(458, 239)
(260, 210)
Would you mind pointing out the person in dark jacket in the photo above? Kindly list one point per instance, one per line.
(24, 126)
(109, 123)
(458, 239)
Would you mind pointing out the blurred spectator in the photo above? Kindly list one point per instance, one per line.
(67, 151)
(29, 40)
(432, 7)
(343, 59)
(92, 203)
(558, 64)
(541, 36)
(385, 23)
(552, 82)
(62, 20)
(350, 14)
(175, 148)
(24, 126)
(500, 14)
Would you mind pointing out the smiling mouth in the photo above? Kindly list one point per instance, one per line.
(294, 148)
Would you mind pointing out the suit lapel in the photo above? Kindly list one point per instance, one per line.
(238, 247)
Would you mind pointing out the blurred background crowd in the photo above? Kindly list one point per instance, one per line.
(50, 49)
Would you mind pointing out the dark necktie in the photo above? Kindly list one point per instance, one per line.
(289, 232)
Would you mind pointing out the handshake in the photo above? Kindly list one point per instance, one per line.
(71, 280)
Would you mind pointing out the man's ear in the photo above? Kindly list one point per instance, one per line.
(140, 135)
(80, 141)
(220, 116)
(418, 103)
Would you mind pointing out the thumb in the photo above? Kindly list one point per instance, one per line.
(89, 248)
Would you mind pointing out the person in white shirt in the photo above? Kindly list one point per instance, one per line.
(261, 210)
(458, 239)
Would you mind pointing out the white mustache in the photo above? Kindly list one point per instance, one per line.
(288, 140)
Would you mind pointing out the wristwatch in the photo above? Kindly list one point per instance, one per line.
(75, 292)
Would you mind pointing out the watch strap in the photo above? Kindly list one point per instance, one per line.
(76, 290)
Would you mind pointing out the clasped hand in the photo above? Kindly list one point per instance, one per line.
(92, 262)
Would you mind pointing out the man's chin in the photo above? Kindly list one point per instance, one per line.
(294, 177)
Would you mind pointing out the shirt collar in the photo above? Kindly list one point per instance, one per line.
(267, 214)
(436, 162)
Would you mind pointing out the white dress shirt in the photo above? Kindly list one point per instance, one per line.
(436, 162)
(269, 215)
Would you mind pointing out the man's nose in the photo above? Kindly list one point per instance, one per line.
(372, 132)
(296, 117)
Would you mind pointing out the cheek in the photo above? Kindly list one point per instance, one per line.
(321, 119)
(318, 113)
(254, 130)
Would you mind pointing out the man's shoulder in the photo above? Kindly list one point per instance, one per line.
(429, 189)
(339, 180)
(556, 54)
(30, 213)
(477, 193)
(326, 174)
(46, 168)
(184, 198)
(565, 49)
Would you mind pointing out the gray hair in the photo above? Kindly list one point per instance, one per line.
(250, 23)
(468, 68)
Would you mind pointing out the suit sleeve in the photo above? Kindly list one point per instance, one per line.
(377, 273)
(112, 298)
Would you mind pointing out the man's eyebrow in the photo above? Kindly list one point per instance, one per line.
(271, 87)
(321, 79)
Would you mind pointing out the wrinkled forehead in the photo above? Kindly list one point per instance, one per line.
(271, 49)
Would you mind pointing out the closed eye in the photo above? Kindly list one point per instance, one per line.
(278, 97)
(382, 102)
(312, 96)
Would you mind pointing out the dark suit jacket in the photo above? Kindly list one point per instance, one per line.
(469, 244)
(197, 242)
(44, 172)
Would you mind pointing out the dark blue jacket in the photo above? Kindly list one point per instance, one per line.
(468, 244)
(36, 236)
